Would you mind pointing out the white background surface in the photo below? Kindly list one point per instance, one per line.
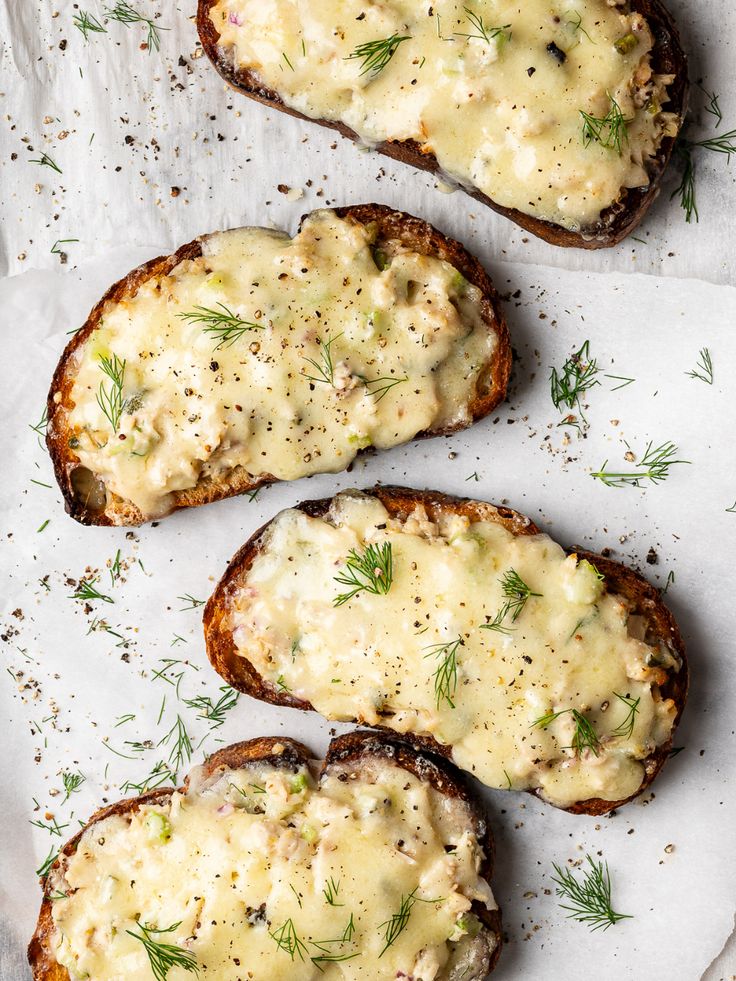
(64, 688)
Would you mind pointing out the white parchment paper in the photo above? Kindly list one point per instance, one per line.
(69, 686)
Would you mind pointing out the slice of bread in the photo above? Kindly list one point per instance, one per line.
(557, 672)
(553, 59)
(246, 883)
(202, 374)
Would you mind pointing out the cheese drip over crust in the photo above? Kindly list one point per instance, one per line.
(267, 875)
(496, 90)
(513, 702)
(275, 357)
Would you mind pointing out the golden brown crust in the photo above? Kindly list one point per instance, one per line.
(400, 502)
(353, 748)
(616, 222)
(86, 500)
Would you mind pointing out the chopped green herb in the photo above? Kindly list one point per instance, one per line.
(577, 376)
(87, 24)
(703, 370)
(375, 55)
(397, 922)
(627, 726)
(483, 32)
(445, 675)
(214, 712)
(43, 870)
(72, 782)
(164, 957)
(191, 601)
(45, 161)
(609, 131)
(331, 891)
(123, 13)
(287, 939)
(517, 595)
(111, 400)
(585, 736)
(224, 325)
(653, 466)
(324, 368)
(55, 250)
(86, 590)
(589, 901)
(371, 570)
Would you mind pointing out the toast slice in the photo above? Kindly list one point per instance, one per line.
(464, 629)
(248, 356)
(582, 90)
(260, 861)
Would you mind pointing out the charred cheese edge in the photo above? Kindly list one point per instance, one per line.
(497, 91)
(265, 872)
(447, 650)
(274, 356)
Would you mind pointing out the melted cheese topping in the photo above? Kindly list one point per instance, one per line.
(261, 872)
(495, 90)
(341, 355)
(375, 658)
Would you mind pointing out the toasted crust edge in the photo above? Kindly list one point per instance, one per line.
(290, 754)
(392, 225)
(400, 502)
(616, 222)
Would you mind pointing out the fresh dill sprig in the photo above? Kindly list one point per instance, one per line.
(214, 712)
(45, 161)
(703, 370)
(116, 569)
(627, 726)
(578, 375)
(370, 570)
(577, 24)
(589, 901)
(159, 775)
(517, 595)
(375, 55)
(191, 601)
(621, 378)
(224, 325)
(88, 24)
(654, 466)
(86, 590)
(53, 827)
(482, 31)
(684, 152)
(324, 368)
(111, 400)
(331, 891)
(384, 385)
(72, 782)
(55, 250)
(287, 939)
(713, 107)
(40, 428)
(610, 131)
(323, 946)
(584, 737)
(45, 867)
(181, 745)
(445, 676)
(164, 957)
(123, 13)
(397, 922)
